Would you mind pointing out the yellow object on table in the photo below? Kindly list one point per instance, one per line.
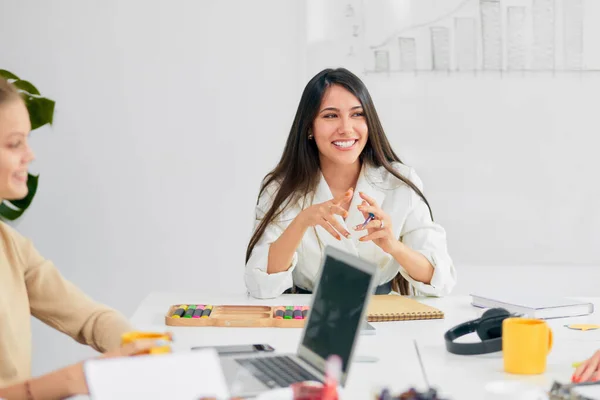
(131, 337)
(526, 343)
(583, 327)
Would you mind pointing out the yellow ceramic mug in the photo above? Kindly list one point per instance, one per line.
(525, 345)
(131, 337)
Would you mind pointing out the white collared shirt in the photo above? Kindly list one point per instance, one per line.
(411, 223)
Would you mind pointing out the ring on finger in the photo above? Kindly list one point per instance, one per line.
(381, 226)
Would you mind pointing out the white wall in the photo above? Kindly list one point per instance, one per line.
(508, 159)
(509, 163)
(168, 116)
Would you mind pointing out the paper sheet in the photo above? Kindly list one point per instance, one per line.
(184, 376)
(591, 392)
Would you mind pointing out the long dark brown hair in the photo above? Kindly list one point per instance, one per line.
(298, 170)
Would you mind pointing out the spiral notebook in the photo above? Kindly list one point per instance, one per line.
(383, 307)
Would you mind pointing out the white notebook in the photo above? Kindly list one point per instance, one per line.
(184, 375)
(542, 307)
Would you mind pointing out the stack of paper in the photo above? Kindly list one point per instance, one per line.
(185, 376)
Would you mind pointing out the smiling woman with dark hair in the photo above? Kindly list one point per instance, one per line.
(337, 169)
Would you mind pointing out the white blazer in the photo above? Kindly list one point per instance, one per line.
(411, 222)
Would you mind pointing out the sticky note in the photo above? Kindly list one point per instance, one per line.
(583, 327)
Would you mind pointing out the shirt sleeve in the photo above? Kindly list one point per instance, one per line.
(259, 283)
(60, 304)
(427, 237)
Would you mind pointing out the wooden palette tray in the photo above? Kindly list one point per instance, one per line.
(236, 316)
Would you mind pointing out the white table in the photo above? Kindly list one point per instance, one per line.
(456, 377)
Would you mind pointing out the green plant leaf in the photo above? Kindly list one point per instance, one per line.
(7, 75)
(32, 184)
(18, 207)
(41, 111)
(8, 213)
(26, 86)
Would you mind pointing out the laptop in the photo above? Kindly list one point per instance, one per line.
(336, 314)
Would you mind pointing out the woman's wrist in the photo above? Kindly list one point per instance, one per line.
(398, 250)
(282, 250)
(301, 220)
(75, 379)
(59, 384)
(416, 265)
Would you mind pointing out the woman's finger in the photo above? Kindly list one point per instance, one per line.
(133, 348)
(365, 214)
(343, 198)
(140, 346)
(579, 370)
(330, 229)
(591, 367)
(582, 366)
(335, 209)
(585, 373)
(373, 236)
(336, 225)
(378, 212)
(368, 198)
(374, 224)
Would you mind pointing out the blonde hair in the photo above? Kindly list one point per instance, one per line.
(8, 92)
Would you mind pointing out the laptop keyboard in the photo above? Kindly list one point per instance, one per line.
(276, 371)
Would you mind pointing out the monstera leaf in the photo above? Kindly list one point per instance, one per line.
(41, 112)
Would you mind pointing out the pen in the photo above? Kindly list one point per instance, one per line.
(370, 218)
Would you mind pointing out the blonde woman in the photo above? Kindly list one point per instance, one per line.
(31, 286)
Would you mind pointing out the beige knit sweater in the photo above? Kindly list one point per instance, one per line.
(31, 285)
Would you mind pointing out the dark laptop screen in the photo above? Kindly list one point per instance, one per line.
(338, 303)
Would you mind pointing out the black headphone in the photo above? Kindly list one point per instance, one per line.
(488, 328)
